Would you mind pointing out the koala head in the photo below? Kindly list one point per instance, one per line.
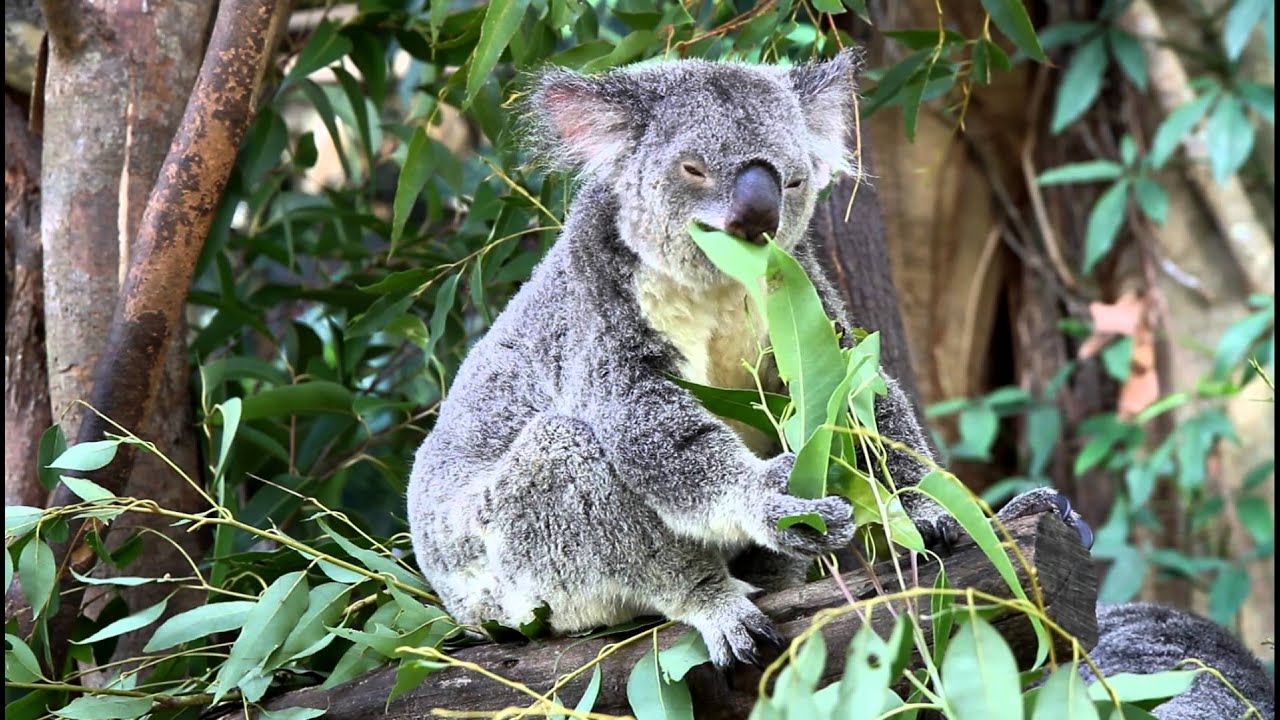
(735, 147)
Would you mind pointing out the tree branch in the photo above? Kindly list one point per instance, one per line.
(1053, 549)
(174, 226)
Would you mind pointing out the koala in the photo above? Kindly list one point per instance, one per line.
(1147, 638)
(566, 469)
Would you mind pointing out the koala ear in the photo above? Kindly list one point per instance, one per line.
(575, 121)
(826, 97)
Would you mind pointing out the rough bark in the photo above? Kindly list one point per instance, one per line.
(26, 389)
(177, 218)
(1050, 546)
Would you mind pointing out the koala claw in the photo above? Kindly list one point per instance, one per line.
(1041, 499)
(741, 638)
(802, 540)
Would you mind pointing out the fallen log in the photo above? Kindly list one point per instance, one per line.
(1060, 564)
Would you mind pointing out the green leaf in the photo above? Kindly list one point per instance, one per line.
(326, 46)
(373, 561)
(628, 48)
(380, 314)
(1117, 357)
(140, 619)
(1255, 516)
(1262, 98)
(592, 691)
(864, 686)
(52, 444)
(317, 397)
(1238, 339)
(266, 626)
(740, 405)
(231, 410)
(1081, 83)
(979, 674)
(412, 671)
(925, 38)
(1104, 224)
(978, 428)
(1064, 697)
(24, 666)
(501, 21)
(38, 572)
(743, 261)
(8, 569)
(20, 519)
(828, 6)
(104, 707)
(1132, 688)
(893, 80)
(199, 622)
(1229, 137)
(804, 344)
(1011, 17)
(1173, 130)
(325, 604)
(414, 175)
(1228, 593)
(685, 653)
(653, 698)
(1124, 578)
(1242, 18)
(1152, 199)
(86, 490)
(1091, 171)
(1066, 33)
(440, 311)
(1131, 57)
(87, 456)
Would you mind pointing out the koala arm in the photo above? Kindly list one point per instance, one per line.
(699, 476)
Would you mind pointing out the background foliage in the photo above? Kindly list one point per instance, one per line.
(380, 216)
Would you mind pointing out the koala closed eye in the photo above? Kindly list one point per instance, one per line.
(794, 184)
(694, 171)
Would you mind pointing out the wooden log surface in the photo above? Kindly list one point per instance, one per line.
(1061, 565)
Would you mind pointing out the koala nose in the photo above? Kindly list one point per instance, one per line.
(753, 211)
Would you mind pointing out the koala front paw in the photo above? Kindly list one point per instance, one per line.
(800, 539)
(738, 632)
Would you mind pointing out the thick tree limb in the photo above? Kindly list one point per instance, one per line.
(1061, 565)
(26, 385)
(174, 226)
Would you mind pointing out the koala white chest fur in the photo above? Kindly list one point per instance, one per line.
(720, 334)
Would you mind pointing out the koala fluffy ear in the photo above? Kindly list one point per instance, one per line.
(826, 97)
(574, 121)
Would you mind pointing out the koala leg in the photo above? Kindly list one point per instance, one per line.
(565, 531)
(768, 570)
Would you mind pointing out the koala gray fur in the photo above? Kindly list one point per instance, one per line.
(565, 469)
(1147, 638)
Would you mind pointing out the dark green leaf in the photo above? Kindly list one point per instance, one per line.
(52, 444)
(199, 622)
(1228, 593)
(1104, 223)
(1081, 83)
(1173, 130)
(38, 573)
(1152, 199)
(138, 620)
(1011, 17)
(318, 397)
(1091, 171)
(501, 21)
(1229, 136)
(1130, 56)
(104, 707)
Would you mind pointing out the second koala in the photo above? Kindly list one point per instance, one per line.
(565, 467)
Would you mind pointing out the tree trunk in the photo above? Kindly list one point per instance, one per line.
(26, 389)
(129, 385)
